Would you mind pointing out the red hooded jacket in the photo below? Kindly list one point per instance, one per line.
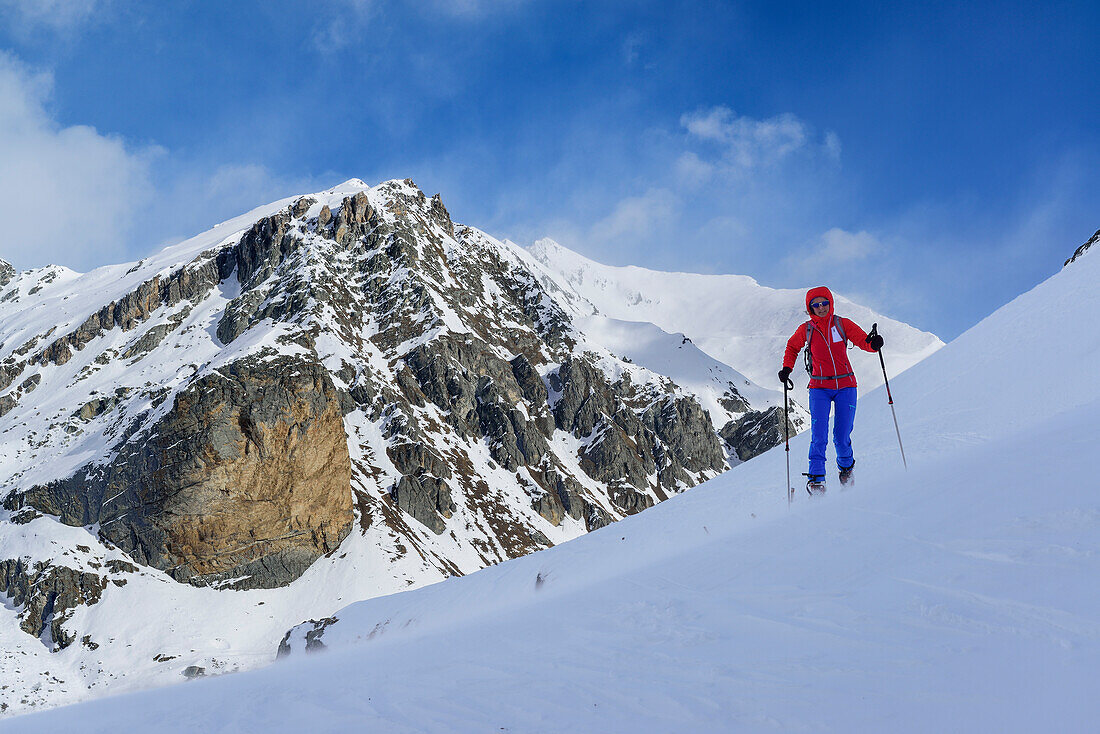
(828, 349)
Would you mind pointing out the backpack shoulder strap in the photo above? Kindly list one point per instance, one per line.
(839, 327)
(806, 354)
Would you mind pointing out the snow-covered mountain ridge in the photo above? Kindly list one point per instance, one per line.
(957, 595)
(333, 397)
(732, 317)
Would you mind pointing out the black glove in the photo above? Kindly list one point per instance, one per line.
(784, 375)
(875, 341)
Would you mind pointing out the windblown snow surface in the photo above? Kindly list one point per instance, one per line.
(960, 595)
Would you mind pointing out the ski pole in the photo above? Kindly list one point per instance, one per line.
(874, 332)
(787, 385)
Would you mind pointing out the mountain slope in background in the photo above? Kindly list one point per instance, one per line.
(732, 317)
(959, 595)
(331, 398)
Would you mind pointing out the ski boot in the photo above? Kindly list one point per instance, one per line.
(846, 477)
(815, 484)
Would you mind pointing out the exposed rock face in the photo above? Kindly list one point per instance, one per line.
(389, 367)
(1080, 250)
(733, 401)
(672, 437)
(9, 370)
(630, 501)
(585, 397)
(187, 282)
(756, 432)
(550, 507)
(597, 518)
(48, 595)
(7, 272)
(425, 498)
(613, 457)
(513, 440)
(312, 631)
(11, 399)
(690, 444)
(247, 476)
(562, 496)
(417, 459)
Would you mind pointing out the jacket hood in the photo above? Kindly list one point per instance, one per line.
(820, 292)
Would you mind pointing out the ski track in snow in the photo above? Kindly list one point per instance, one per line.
(959, 595)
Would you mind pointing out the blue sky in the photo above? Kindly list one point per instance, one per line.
(930, 159)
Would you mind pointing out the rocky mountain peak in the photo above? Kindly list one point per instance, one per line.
(1083, 248)
(346, 380)
(7, 272)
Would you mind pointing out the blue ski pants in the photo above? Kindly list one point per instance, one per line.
(844, 418)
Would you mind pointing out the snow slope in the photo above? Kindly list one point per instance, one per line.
(958, 596)
(731, 317)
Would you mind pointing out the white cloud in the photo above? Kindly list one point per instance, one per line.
(721, 231)
(842, 246)
(749, 143)
(67, 194)
(692, 171)
(629, 225)
(76, 197)
(342, 24)
(232, 180)
(194, 199)
(632, 47)
(346, 22)
(721, 191)
(475, 8)
(836, 249)
(28, 16)
(637, 217)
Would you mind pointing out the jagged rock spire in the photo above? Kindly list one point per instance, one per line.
(7, 272)
(1081, 250)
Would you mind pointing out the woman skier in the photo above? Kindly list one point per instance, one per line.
(831, 382)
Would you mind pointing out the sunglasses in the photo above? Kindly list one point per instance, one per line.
(818, 304)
